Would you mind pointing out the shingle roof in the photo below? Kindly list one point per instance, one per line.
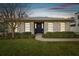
(42, 19)
(46, 18)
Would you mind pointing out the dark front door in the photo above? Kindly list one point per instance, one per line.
(38, 27)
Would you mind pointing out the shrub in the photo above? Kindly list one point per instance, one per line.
(60, 35)
(23, 35)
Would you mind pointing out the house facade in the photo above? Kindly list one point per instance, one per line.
(75, 23)
(48, 24)
(43, 25)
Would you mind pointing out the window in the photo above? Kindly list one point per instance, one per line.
(78, 16)
(27, 27)
(42, 25)
(35, 26)
(78, 24)
(62, 26)
(50, 27)
(73, 25)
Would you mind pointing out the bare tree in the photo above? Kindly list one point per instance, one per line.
(12, 11)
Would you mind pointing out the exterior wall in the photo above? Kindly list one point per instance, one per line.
(76, 22)
(67, 26)
(45, 27)
(50, 27)
(76, 29)
(56, 26)
(72, 29)
(32, 27)
(62, 26)
(21, 27)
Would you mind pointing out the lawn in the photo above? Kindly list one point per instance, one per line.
(32, 47)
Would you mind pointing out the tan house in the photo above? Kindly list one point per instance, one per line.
(43, 25)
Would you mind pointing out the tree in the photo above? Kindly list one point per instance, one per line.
(10, 12)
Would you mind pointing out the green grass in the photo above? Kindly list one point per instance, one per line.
(33, 48)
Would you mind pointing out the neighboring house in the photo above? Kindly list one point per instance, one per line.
(75, 23)
(43, 25)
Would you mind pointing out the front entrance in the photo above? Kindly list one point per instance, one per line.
(39, 27)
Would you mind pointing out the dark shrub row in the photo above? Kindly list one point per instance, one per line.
(60, 35)
(24, 35)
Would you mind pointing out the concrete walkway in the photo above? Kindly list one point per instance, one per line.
(40, 38)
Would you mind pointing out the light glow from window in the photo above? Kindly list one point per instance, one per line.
(42, 25)
(27, 27)
(50, 27)
(62, 26)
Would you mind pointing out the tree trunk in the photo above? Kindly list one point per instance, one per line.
(5, 34)
(13, 33)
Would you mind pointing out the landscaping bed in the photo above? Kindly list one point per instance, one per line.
(60, 35)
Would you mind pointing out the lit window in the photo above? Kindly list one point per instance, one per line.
(50, 27)
(42, 25)
(35, 26)
(62, 26)
(27, 27)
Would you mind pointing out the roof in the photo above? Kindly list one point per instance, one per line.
(42, 19)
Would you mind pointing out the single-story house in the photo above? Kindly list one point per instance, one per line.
(43, 25)
(46, 24)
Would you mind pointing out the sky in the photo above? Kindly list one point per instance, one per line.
(58, 10)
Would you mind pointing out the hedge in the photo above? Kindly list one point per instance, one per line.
(60, 35)
(24, 35)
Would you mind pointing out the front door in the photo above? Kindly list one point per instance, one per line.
(39, 27)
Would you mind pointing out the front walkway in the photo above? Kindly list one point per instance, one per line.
(40, 38)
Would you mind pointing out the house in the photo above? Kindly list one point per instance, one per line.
(75, 23)
(43, 25)
(47, 24)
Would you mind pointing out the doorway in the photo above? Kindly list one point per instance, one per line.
(39, 27)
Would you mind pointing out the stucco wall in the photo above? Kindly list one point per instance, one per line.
(56, 26)
(67, 26)
(45, 27)
(20, 27)
(76, 22)
(32, 27)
